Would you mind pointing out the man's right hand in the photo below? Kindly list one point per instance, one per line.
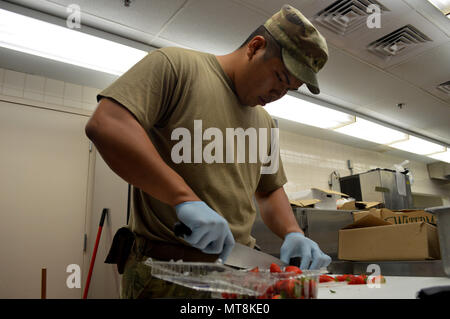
(210, 231)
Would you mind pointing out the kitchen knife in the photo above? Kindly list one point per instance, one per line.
(242, 256)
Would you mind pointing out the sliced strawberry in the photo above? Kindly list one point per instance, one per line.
(357, 280)
(275, 268)
(378, 279)
(256, 269)
(293, 269)
(326, 278)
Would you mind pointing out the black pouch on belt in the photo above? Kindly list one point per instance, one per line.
(120, 249)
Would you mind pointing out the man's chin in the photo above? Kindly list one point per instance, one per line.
(248, 103)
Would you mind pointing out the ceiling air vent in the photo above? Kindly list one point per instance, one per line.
(444, 87)
(345, 16)
(398, 42)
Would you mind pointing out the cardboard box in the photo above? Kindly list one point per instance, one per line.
(304, 202)
(371, 238)
(403, 216)
(353, 205)
(317, 198)
(327, 198)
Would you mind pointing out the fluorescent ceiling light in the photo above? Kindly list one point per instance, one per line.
(442, 5)
(32, 36)
(371, 131)
(301, 111)
(418, 146)
(442, 156)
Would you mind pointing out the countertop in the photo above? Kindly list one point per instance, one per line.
(396, 287)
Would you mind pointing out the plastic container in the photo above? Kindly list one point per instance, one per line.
(227, 282)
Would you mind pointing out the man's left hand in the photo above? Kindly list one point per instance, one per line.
(297, 245)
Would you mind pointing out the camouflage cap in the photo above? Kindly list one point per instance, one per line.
(304, 49)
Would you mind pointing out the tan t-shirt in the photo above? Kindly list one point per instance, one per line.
(185, 102)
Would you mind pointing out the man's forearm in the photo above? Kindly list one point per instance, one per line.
(276, 212)
(128, 151)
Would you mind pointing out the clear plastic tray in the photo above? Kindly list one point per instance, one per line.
(218, 278)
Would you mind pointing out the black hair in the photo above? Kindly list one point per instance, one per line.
(273, 49)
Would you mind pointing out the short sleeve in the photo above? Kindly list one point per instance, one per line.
(146, 90)
(273, 176)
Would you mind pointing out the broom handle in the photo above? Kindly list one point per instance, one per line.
(94, 253)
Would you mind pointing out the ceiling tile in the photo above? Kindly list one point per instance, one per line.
(216, 27)
(427, 70)
(273, 6)
(145, 16)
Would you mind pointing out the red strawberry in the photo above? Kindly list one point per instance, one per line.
(344, 277)
(276, 297)
(275, 268)
(326, 278)
(357, 280)
(293, 269)
(380, 279)
(256, 269)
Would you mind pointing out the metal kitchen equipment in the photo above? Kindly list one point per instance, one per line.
(443, 225)
(320, 225)
(386, 186)
(323, 226)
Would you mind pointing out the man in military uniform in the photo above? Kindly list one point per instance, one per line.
(174, 93)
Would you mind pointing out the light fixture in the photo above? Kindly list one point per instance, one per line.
(442, 156)
(418, 146)
(372, 132)
(301, 111)
(32, 36)
(442, 5)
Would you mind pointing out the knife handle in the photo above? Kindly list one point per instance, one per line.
(295, 261)
(181, 229)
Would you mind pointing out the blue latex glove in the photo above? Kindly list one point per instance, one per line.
(297, 245)
(210, 231)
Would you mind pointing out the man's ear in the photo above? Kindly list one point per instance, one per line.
(255, 45)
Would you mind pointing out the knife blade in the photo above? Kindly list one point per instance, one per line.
(242, 256)
(246, 257)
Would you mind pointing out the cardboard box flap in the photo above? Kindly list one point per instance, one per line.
(331, 192)
(367, 205)
(304, 202)
(398, 216)
(368, 220)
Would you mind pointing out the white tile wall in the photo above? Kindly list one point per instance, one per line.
(13, 83)
(38, 88)
(73, 95)
(54, 91)
(308, 162)
(2, 73)
(89, 98)
(34, 87)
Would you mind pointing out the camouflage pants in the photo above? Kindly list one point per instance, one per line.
(138, 283)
